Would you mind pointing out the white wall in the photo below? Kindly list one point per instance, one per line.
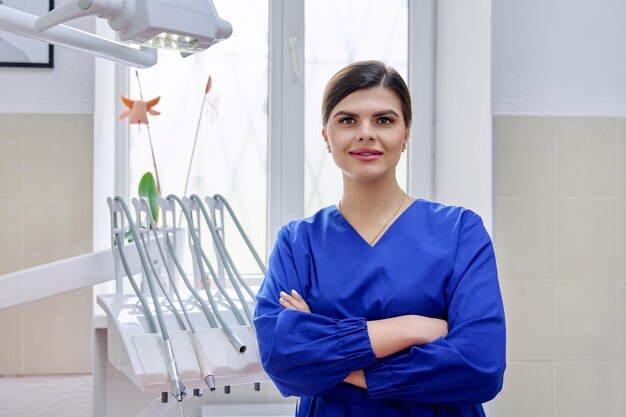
(66, 88)
(463, 147)
(559, 57)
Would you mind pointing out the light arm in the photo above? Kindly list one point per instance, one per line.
(23, 23)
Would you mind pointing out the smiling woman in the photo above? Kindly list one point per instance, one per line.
(382, 304)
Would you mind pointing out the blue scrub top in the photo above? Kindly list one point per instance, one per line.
(435, 261)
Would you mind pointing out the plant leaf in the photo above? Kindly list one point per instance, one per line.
(148, 188)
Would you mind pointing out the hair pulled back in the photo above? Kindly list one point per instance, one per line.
(362, 75)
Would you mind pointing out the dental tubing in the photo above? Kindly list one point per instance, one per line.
(129, 274)
(201, 256)
(232, 337)
(228, 263)
(220, 198)
(173, 308)
(207, 374)
(198, 251)
(176, 384)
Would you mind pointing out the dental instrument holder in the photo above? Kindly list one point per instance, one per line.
(140, 354)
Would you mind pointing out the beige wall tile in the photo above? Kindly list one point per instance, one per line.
(59, 156)
(584, 389)
(585, 156)
(529, 319)
(58, 334)
(47, 173)
(585, 237)
(11, 357)
(11, 249)
(621, 157)
(585, 319)
(56, 230)
(524, 237)
(527, 391)
(524, 155)
(12, 130)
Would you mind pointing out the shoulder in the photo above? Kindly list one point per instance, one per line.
(446, 216)
(300, 229)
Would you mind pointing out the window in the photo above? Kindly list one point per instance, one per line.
(231, 151)
(234, 146)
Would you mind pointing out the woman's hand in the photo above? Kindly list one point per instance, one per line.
(294, 301)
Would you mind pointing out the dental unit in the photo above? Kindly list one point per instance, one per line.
(210, 342)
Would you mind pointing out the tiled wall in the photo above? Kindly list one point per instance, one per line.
(46, 176)
(560, 238)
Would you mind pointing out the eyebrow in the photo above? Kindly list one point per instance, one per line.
(377, 114)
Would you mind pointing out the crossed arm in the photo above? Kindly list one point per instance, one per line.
(387, 336)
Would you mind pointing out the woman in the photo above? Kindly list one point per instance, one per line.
(383, 305)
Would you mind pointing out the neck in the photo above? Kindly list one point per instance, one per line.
(371, 199)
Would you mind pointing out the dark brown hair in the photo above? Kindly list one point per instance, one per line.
(362, 75)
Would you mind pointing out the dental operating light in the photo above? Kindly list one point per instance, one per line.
(187, 26)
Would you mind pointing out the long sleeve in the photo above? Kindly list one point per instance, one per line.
(304, 353)
(466, 366)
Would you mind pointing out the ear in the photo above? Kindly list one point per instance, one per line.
(407, 134)
(324, 135)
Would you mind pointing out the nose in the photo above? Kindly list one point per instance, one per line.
(366, 132)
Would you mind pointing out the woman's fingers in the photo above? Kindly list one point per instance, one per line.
(294, 301)
(297, 296)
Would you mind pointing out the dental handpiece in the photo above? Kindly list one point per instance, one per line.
(178, 389)
(205, 367)
(176, 385)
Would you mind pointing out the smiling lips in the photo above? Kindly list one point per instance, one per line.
(366, 154)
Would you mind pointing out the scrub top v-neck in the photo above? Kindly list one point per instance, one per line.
(384, 231)
(433, 260)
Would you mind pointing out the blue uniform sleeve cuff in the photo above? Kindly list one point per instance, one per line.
(379, 380)
(355, 342)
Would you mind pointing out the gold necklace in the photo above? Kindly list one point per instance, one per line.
(388, 221)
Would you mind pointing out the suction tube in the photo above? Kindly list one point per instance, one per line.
(207, 374)
(200, 252)
(234, 339)
(226, 259)
(142, 299)
(177, 387)
(222, 248)
(255, 254)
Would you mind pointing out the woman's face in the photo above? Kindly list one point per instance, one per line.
(366, 131)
